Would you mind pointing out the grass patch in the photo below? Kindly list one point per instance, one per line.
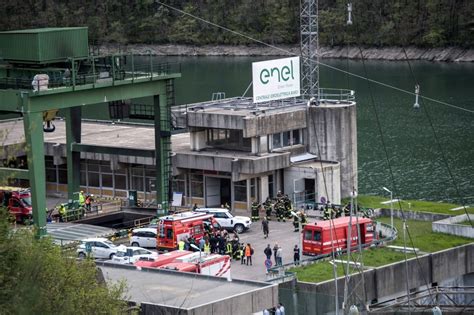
(415, 205)
(423, 238)
(323, 270)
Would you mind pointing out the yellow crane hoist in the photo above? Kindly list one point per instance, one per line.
(48, 117)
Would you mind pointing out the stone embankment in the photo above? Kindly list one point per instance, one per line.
(448, 54)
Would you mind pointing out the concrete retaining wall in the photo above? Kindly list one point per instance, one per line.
(411, 215)
(449, 226)
(389, 281)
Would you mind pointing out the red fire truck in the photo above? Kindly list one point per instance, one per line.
(186, 261)
(18, 202)
(317, 238)
(181, 226)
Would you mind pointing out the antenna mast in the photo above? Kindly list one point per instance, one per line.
(309, 49)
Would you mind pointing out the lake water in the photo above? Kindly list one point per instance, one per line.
(416, 158)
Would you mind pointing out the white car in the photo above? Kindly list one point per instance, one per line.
(129, 255)
(227, 220)
(98, 248)
(144, 237)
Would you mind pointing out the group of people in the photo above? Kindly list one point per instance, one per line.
(220, 242)
(277, 253)
(280, 206)
(277, 310)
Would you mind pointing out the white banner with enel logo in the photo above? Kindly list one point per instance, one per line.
(276, 79)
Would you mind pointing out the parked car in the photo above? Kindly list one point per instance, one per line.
(129, 255)
(98, 248)
(227, 220)
(144, 237)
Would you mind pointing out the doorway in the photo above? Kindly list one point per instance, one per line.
(217, 191)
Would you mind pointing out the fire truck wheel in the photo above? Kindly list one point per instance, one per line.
(135, 244)
(239, 228)
(81, 255)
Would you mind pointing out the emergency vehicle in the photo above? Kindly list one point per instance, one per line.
(181, 226)
(18, 202)
(317, 236)
(186, 261)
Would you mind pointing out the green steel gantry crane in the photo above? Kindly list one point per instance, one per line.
(50, 69)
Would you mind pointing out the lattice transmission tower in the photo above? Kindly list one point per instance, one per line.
(309, 49)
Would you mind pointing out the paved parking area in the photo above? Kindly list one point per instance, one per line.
(280, 232)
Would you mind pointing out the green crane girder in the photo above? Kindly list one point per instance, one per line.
(71, 99)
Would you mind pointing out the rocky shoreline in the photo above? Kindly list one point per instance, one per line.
(447, 54)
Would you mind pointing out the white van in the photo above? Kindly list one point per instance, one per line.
(227, 220)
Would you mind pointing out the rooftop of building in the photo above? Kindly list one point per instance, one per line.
(179, 289)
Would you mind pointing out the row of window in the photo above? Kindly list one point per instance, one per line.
(99, 174)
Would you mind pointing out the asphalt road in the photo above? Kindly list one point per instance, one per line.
(281, 233)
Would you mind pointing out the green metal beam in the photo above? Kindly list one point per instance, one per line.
(79, 147)
(73, 135)
(10, 100)
(41, 102)
(7, 172)
(33, 124)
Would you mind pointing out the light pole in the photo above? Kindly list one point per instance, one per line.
(391, 204)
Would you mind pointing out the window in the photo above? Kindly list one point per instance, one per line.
(270, 186)
(296, 137)
(179, 183)
(286, 138)
(308, 235)
(276, 140)
(197, 230)
(197, 185)
(228, 139)
(240, 191)
(317, 236)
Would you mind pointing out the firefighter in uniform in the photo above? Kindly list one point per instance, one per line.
(255, 208)
(327, 212)
(280, 211)
(228, 249)
(304, 219)
(296, 219)
(268, 208)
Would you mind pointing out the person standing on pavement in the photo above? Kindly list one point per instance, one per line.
(296, 255)
(275, 249)
(265, 227)
(248, 254)
(279, 256)
(268, 252)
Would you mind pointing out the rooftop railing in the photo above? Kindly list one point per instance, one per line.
(91, 70)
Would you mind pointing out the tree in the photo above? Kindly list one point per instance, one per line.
(38, 277)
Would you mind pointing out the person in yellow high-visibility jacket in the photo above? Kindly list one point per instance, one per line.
(82, 198)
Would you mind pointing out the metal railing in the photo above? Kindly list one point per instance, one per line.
(91, 70)
(336, 96)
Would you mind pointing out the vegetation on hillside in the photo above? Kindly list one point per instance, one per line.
(427, 23)
(37, 277)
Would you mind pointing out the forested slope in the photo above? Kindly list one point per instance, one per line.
(423, 23)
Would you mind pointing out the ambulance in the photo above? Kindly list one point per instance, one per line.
(182, 226)
(317, 238)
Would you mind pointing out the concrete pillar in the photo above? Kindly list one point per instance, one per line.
(263, 188)
(335, 128)
(255, 145)
(198, 140)
(249, 197)
(73, 135)
(263, 144)
(33, 124)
